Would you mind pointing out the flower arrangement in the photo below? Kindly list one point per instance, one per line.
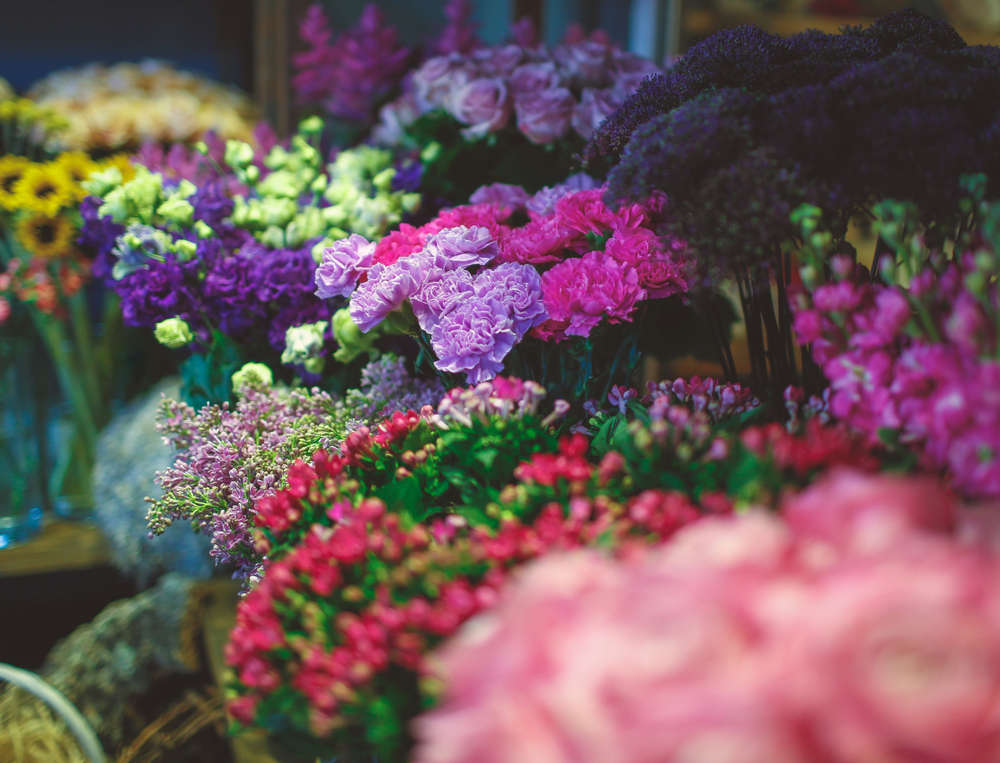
(748, 126)
(699, 649)
(553, 297)
(911, 350)
(376, 553)
(226, 267)
(111, 108)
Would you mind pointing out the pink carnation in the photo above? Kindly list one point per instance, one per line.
(581, 292)
(661, 273)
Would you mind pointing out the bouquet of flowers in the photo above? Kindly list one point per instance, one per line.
(555, 286)
(699, 650)
(226, 266)
(110, 108)
(911, 349)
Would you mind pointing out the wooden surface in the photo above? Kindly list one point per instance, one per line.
(219, 618)
(61, 546)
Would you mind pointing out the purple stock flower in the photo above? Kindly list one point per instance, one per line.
(459, 33)
(98, 235)
(342, 265)
(473, 337)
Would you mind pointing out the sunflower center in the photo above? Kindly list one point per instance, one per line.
(45, 233)
(9, 182)
(44, 190)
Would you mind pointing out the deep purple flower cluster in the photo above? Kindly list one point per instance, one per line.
(748, 125)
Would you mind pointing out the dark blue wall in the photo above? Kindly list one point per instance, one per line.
(39, 37)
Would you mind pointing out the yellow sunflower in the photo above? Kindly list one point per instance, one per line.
(123, 163)
(43, 188)
(76, 166)
(46, 236)
(11, 169)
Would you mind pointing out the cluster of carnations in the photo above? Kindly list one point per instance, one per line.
(224, 244)
(856, 629)
(477, 284)
(379, 551)
(127, 104)
(228, 457)
(912, 357)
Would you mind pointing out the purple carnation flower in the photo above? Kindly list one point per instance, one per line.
(441, 290)
(473, 337)
(461, 247)
(342, 266)
(386, 289)
(519, 288)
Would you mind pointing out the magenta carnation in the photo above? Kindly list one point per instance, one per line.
(581, 292)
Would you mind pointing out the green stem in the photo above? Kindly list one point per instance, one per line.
(56, 341)
(86, 360)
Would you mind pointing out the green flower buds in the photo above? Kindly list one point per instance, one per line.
(173, 333)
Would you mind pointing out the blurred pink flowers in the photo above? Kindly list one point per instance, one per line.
(744, 640)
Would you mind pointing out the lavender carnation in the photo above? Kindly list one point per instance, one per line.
(342, 266)
(474, 337)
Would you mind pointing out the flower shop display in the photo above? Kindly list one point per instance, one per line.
(375, 553)
(121, 106)
(226, 267)
(749, 125)
(741, 639)
(555, 286)
(228, 458)
(910, 349)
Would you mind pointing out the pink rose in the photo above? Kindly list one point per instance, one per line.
(544, 116)
(594, 107)
(586, 62)
(498, 61)
(438, 77)
(483, 104)
(530, 78)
